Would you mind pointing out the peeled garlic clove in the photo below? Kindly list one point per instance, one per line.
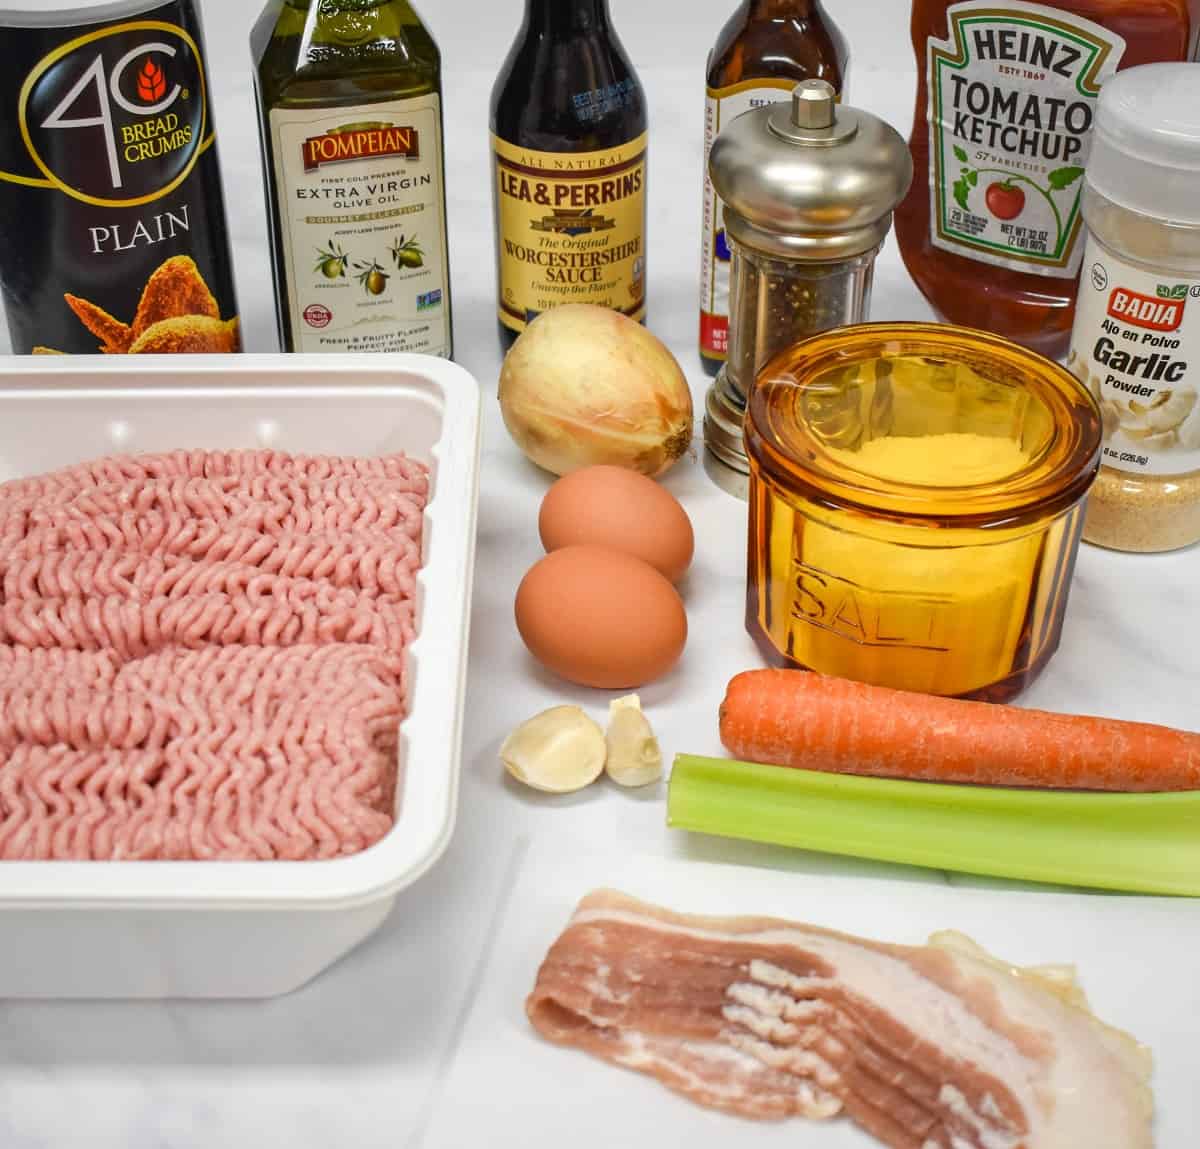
(634, 758)
(557, 751)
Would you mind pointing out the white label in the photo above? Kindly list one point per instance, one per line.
(364, 226)
(1012, 101)
(721, 106)
(1136, 344)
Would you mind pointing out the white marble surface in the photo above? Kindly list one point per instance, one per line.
(350, 1061)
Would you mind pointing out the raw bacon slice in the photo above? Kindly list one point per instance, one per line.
(925, 1047)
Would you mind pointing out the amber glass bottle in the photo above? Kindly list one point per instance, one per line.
(349, 101)
(568, 127)
(766, 48)
(991, 230)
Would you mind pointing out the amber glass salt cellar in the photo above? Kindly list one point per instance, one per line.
(763, 51)
(808, 188)
(350, 119)
(992, 230)
(568, 133)
(916, 504)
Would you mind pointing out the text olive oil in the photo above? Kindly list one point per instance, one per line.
(568, 121)
(350, 119)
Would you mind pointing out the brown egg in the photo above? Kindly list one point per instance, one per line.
(618, 508)
(600, 617)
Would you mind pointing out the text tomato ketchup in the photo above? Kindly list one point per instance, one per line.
(1006, 96)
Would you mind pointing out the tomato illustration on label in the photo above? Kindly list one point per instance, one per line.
(1005, 200)
(1005, 197)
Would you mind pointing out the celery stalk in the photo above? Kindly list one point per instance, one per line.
(1147, 843)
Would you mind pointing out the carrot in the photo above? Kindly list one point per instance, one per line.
(793, 718)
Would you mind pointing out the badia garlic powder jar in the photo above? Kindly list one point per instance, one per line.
(1136, 339)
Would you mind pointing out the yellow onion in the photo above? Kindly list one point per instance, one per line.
(585, 384)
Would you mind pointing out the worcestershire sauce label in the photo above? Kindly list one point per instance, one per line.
(571, 229)
(1012, 100)
(112, 225)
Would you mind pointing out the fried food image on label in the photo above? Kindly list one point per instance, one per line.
(176, 289)
(113, 334)
(187, 333)
(177, 313)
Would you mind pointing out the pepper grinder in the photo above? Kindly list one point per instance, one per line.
(808, 188)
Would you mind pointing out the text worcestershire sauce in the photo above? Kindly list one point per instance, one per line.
(568, 132)
(112, 222)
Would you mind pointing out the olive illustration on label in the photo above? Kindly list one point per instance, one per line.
(407, 252)
(372, 277)
(331, 261)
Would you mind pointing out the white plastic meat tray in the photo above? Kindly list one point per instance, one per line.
(251, 929)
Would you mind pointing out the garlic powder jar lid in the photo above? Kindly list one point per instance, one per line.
(1146, 144)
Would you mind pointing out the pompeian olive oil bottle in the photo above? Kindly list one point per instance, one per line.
(568, 124)
(350, 121)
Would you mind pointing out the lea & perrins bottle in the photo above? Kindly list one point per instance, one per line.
(350, 121)
(992, 230)
(762, 53)
(568, 129)
(112, 221)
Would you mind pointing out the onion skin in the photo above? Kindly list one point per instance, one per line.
(584, 385)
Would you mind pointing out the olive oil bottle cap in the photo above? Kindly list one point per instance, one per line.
(810, 179)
